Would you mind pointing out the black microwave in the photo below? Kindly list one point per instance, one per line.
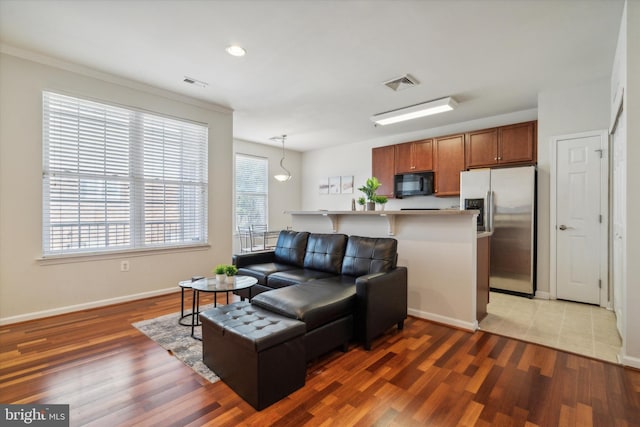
(413, 184)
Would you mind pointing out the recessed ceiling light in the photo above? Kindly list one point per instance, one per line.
(236, 50)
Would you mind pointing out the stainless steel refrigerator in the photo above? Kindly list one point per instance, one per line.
(506, 198)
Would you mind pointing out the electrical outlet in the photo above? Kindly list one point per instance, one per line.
(124, 265)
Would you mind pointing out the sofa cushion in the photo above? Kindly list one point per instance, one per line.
(366, 255)
(325, 252)
(315, 303)
(262, 271)
(290, 247)
(295, 277)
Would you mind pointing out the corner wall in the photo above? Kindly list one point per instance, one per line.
(32, 288)
(631, 342)
(561, 112)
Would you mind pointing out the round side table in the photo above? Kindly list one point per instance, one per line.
(212, 285)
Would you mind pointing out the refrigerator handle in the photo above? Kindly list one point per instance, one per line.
(489, 211)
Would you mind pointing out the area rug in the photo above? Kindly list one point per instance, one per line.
(176, 339)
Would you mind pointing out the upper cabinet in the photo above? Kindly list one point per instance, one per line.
(382, 167)
(481, 148)
(416, 156)
(514, 144)
(448, 163)
(448, 155)
(517, 143)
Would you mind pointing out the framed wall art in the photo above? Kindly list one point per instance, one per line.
(334, 185)
(347, 184)
(323, 186)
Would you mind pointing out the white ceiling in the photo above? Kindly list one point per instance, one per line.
(314, 69)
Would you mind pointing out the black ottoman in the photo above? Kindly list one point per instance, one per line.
(259, 354)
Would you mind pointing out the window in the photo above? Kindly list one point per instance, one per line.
(251, 190)
(120, 179)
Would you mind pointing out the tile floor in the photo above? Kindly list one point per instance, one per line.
(574, 327)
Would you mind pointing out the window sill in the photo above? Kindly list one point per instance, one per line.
(99, 256)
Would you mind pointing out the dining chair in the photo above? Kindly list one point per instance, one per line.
(244, 235)
(263, 237)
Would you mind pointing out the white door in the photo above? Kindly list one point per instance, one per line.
(578, 219)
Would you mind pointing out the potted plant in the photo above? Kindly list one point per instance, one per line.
(381, 200)
(220, 271)
(369, 189)
(230, 271)
(362, 201)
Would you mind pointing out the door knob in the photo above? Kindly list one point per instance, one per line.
(563, 227)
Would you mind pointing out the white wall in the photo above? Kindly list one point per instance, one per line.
(631, 342)
(561, 112)
(33, 288)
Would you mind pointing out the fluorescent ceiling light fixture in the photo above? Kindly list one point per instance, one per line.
(236, 50)
(414, 111)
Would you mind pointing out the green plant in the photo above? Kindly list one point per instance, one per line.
(220, 269)
(370, 187)
(231, 270)
(362, 201)
(381, 199)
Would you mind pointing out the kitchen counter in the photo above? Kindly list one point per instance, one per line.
(389, 216)
(430, 212)
(438, 247)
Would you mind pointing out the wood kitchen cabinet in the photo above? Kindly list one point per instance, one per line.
(382, 167)
(448, 163)
(416, 156)
(481, 148)
(517, 143)
(513, 144)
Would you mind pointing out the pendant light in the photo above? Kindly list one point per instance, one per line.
(282, 177)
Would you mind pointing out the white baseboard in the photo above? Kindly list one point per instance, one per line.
(457, 323)
(85, 306)
(633, 362)
(542, 295)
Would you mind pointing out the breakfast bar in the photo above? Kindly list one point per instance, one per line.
(438, 247)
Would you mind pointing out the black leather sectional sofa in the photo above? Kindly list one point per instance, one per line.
(315, 293)
(342, 287)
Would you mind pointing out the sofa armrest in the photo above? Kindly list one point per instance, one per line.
(381, 303)
(242, 260)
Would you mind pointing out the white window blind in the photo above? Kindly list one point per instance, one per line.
(120, 179)
(251, 190)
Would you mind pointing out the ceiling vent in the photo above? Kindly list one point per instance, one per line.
(401, 83)
(195, 82)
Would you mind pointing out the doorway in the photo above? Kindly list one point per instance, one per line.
(579, 212)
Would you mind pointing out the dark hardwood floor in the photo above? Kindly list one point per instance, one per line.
(427, 374)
